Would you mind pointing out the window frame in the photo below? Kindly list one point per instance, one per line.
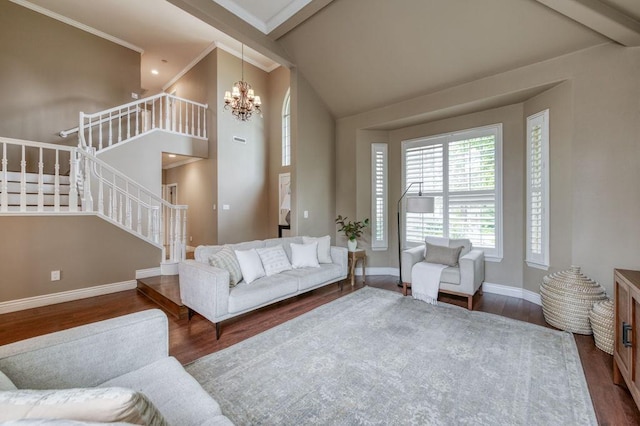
(380, 244)
(538, 260)
(491, 254)
(286, 130)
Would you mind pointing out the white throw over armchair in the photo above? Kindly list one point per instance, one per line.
(465, 279)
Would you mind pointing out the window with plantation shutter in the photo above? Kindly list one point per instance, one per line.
(538, 190)
(379, 232)
(462, 171)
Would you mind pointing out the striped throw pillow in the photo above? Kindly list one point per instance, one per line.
(225, 258)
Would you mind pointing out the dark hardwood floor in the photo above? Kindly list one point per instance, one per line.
(189, 340)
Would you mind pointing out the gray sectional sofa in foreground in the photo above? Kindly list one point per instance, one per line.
(205, 289)
(129, 352)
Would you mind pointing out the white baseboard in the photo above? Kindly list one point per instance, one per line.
(378, 270)
(519, 293)
(146, 273)
(65, 296)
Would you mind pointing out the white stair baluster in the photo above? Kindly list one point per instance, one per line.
(204, 123)
(193, 129)
(40, 180)
(139, 214)
(171, 232)
(183, 254)
(23, 182)
(100, 130)
(119, 125)
(56, 183)
(110, 130)
(179, 115)
(199, 113)
(128, 123)
(137, 119)
(167, 117)
(153, 114)
(100, 192)
(90, 130)
(4, 198)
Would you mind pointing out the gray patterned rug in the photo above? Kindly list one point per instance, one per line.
(375, 357)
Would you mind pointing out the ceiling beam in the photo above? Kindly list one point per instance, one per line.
(218, 17)
(601, 18)
(298, 18)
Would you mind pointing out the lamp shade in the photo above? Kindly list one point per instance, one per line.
(420, 204)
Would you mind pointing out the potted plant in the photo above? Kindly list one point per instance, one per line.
(352, 230)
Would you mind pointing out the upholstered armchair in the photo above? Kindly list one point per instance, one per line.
(465, 279)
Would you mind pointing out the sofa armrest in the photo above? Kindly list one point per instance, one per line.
(339, 256)
(205, 289)
(472, 269)
(409, 258)
(88, 355)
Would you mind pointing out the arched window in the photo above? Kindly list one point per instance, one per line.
(286, 130)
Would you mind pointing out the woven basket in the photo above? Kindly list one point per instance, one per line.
(601, 318)
(567, 298)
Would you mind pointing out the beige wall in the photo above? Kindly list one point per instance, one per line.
(313, 150)
(86, 249)
(50, 71)
(279, 83)
(600, 119)
(242, 168)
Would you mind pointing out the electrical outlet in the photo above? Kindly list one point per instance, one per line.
(306, 214)
(226, 207)
(55, 275)
(190, 238)
(134, 95)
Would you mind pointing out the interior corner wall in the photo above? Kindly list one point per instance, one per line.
(243, 188)
(50, 71)
(559, 101)
(198, 181)
(279, 84)
(88, 251)
(313, 158)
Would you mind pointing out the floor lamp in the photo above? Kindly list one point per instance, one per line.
(417, 204)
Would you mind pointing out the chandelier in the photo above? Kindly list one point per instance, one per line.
(241, 100)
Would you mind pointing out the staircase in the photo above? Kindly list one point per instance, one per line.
(41, 178)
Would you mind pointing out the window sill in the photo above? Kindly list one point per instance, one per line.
(537, 265)
(494, 259)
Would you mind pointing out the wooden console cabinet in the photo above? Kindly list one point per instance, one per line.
(626, 348)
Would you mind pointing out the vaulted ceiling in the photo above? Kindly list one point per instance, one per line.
(361, 54)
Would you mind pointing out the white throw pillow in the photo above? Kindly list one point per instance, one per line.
(105, 405)
(274, 259)
(250, 265)
(304, 255)
(324, 247)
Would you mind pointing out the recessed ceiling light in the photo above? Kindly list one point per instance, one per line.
(172, 156)
(155, 72)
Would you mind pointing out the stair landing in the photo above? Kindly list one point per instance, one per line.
(164, 290)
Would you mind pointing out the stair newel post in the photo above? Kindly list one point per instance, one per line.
(110, 130)
(179, 114)
(4, 198)
(73, 178)
(204, 121)
(166, 114)
(171, 233)
(183, 253)
(153, 114)
(137, 119)
(128, 220)
(87, 198)
(23, 182)
(90, 129)
(56, 182)
(199, 114)
(157, 220)
(100, 131)
(40, 180)
(128, 122)
(193, 129)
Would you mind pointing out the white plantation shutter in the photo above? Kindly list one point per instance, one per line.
(538, 190)
(462, 171)
(379, 197)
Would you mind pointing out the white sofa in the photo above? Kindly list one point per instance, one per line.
(205, 289)
(462, 280)
(131, 351)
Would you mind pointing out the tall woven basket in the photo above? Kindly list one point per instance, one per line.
(567, 298)
(601, 319)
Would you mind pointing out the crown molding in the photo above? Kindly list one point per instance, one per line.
(281, 17)
(248, 60)
(78, 25)
(190, 65)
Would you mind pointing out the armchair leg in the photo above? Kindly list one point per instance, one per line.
(470, 302)
(190, 313)
(404, 289)
(217, 331)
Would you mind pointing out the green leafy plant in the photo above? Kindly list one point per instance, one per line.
(351, 229)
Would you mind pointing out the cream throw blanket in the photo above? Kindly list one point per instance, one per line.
(425, 281)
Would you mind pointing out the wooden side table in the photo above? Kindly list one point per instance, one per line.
(353, 259)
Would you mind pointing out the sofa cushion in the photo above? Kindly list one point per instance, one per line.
(248, 245)
(260, 292)
(311, 277)
(274, 260)
(177, 395)
(450, 275)
(110, 404)
(226, 259)
(284, 242)
(250, 264)
(442, 255)
(5, 383)
(324, 247)
(203, 253)
(304, 255)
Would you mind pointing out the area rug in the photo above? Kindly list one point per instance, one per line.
(376, 357)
